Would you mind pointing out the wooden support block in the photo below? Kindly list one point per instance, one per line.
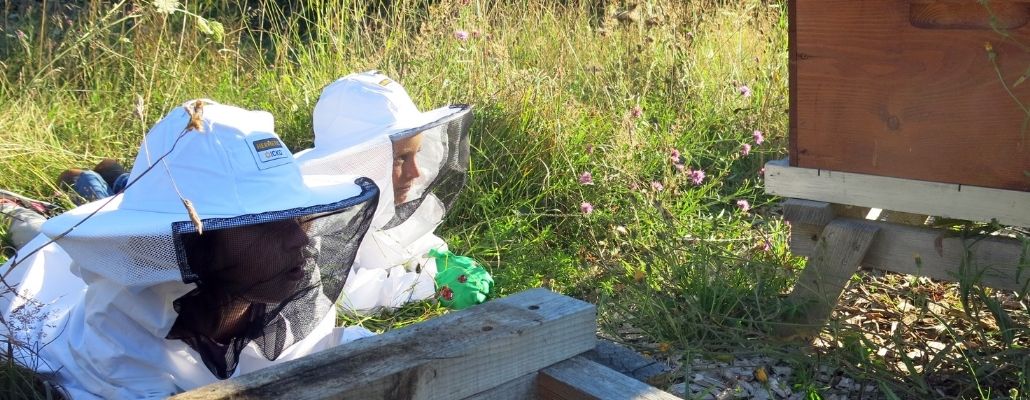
(581, 379)
(934, 253)
(841, 246)
(799, 211)
(454, 356)
(941, 199)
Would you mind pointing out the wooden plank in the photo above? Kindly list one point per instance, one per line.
(521, 388)
(453, 356)
(892, 88)
(933, 253)
(841, 246)
(972, 203)
(581, 379)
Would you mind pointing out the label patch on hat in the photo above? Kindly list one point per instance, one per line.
(270, 152)
(385, 82)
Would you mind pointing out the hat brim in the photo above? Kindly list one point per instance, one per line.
(107, 218)
(427, 120)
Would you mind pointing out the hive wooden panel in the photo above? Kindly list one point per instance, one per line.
(905, 89)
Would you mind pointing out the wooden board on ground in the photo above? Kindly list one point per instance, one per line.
(971, 203)
(454, 356)
(581, 379)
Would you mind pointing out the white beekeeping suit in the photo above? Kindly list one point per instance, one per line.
(138, 298)
(366, 124)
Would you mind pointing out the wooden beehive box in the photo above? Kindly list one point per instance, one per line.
(905, 89)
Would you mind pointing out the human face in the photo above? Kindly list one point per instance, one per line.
(405, 169)
(263, 263)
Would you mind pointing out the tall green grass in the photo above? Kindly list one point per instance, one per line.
(559, 87)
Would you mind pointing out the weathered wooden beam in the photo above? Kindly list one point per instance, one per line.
(521, 388)
(581, 379)
(941, 199)
(454, 356)
(934, 253)
(841, 245)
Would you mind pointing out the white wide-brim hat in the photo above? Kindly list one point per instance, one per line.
(362, 106)
(234, 171)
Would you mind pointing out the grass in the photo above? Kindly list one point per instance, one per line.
(560, 88)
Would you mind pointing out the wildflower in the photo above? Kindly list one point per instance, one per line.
(634, 186)
(696, 176)
(586, 208)
(766, 246)
(21, 35)
(759, 137)
(679, 167)
(636, 111)
(743, 205)
(586, 179)
(744, 91)
(761, 172)
(674, 156)
(166, 6)
(461, 35)
(745, 149)
(657, 186)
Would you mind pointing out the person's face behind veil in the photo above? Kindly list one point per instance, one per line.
(405, 168)
(261, 263)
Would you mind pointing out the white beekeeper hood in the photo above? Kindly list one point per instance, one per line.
(366, 124)
(172, 300)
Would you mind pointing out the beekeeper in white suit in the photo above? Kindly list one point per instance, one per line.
(218, 259)
(366, 124)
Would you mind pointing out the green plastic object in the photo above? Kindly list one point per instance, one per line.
(460, 281)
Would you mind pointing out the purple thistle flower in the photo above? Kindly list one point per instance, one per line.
(586, 179)
(745, 149)
(696, 176)
(636, 111)
(674, 156)
(657, 186)
(766, 246)
(743, 205)
(461, 35)
(679, 167)
(744, 91)
(586, 208)
(21, 35)
(759, 137)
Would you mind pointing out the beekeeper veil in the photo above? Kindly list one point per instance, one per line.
(217, 247)
(366, 124)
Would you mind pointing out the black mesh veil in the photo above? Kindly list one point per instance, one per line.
(267, 279)
(430, 165)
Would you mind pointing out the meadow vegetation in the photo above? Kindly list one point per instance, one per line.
(617, 156)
